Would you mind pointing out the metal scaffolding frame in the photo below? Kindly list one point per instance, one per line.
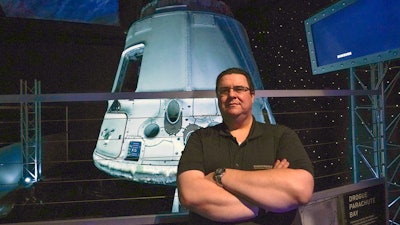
(374, 156)
(31, 140)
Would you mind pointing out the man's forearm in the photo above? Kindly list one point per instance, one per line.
(204, 197)
(274, 190)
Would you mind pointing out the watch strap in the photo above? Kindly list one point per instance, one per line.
(218, 176)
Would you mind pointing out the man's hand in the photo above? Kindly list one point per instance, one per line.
(281, 164)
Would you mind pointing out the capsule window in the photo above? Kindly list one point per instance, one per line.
(129, 68)
(173, 112)
(173, 118)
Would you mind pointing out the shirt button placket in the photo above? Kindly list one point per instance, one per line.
(237, 157)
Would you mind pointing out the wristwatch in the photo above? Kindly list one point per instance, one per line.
(218, 176)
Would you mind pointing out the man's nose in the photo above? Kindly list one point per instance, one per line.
(232, 92)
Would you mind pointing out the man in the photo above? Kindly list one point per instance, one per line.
(242, 171)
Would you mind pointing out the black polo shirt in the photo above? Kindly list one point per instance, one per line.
(214, 147)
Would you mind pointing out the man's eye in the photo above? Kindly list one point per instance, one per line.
(224, 90)
(239, 89)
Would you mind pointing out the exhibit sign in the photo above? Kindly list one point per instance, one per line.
(363, 203)
(365, 206)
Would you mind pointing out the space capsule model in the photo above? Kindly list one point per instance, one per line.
(179, 46)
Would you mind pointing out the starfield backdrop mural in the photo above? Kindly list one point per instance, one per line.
(118, 158)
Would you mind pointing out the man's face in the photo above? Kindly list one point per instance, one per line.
(234, 96)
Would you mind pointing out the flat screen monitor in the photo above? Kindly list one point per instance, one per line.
(353, 33)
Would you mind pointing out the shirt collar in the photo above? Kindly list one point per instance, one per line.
(255, 129)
